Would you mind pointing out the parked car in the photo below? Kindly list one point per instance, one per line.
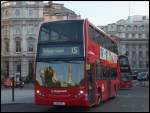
(134, 75)
(8, 83)
(143, 76)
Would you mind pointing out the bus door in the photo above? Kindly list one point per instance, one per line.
(108, 81)
(91, 84)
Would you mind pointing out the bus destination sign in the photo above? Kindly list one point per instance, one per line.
(59, 51)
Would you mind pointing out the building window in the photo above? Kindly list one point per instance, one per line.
(135, 27)
(18, 30)
(6, 13)
(142, 27)
(30, 12)
(144, 18)
(30, 3)
(17, 12)
(18, 46)
(30, 46)
(128, 27)
(7, 45)
(30, 30)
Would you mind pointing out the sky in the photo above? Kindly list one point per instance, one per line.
(106, 12)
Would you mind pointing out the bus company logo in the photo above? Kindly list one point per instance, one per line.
(108, 55)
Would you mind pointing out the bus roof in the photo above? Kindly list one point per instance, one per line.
(63, 20)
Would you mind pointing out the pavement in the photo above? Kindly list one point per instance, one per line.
(21, 95)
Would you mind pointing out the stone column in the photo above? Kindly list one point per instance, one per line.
(137, 56)
(24, 68)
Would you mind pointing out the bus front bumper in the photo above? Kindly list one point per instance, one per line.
(58, 101)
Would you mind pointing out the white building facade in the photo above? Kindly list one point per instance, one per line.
(20, 21)
(134, 39)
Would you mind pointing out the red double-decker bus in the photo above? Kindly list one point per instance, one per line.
(125, 71)
(76, 64)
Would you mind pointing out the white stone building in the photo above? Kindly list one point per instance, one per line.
(20, 22)
(134, 39)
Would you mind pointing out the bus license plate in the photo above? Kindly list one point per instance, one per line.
(59, 103)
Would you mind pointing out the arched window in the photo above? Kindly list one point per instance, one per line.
(128, 28)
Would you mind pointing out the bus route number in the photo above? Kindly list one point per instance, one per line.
(74, 50)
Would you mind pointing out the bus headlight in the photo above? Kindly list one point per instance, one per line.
(81, 92)
(39, 93)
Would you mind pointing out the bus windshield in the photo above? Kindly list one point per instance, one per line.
(62, 31)
(59, 74)
(61, 39)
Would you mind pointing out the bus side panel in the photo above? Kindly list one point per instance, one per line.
(114, 87)
(104, 90)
